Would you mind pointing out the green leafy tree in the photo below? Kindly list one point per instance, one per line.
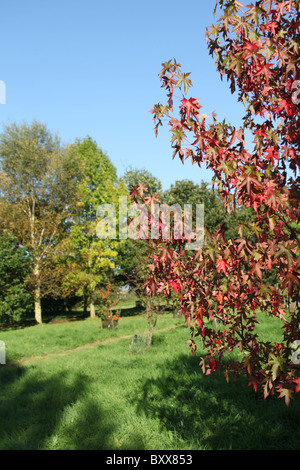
(36, 188)
(133, 177)
(91, 259)
(187, 192)
(15, 300)
(134, 254)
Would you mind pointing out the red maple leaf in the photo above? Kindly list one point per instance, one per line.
(134, 191)
(297, 381)
(272, 154)
(176, 286)
(149, 200)
(190, 105)
(260, 131)
(253, 383)
(285, 393)
(175, 124)
(141, 188)
(251, 46)
(272, 26)
(264, 69)
(222, 265)
(256, 268)
(287, 106)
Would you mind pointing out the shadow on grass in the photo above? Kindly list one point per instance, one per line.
(38, 412)
(206, 412)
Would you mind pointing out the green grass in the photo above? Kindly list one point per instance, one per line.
(40, 340)
(106, 398)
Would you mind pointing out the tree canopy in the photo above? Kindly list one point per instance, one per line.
(256, 49)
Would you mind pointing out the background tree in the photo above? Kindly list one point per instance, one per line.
(15, 300)
(90, 260)
(36, 185)
(133, 177)
(187, 192)
(133, 255)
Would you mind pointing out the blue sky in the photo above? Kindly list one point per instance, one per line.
(91, 68)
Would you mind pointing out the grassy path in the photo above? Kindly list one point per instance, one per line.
(87, 346)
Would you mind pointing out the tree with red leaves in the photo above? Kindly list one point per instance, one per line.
(257, 48)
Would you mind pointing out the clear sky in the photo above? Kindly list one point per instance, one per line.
(91, 68)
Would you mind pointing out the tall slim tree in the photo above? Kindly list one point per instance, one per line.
(36, 185)
(91, 258)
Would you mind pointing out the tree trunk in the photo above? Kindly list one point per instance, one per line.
(92, 309)
(92, 305)
(37, 296)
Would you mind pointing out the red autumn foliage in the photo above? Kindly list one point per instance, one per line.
(257, 48)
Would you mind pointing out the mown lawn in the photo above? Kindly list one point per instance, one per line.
(104, 397)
